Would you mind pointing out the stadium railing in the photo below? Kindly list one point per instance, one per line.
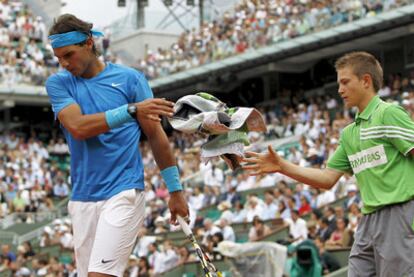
(341, 254)
(342, 272)
(193, 269)
(16, 233)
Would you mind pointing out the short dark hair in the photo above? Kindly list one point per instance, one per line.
(68, 23)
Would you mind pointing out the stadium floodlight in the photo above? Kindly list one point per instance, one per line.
(190, 2)
(121, 3)
(168, 2)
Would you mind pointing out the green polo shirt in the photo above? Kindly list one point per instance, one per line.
(376, 149)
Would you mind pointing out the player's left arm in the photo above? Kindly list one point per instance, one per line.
(159, 143)
(399, 128)
(164, 158)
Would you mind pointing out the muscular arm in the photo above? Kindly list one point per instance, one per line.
(159, 143)
(317, 178)
(82, 126)
(86, 126)
(271, 162)
(164, 157)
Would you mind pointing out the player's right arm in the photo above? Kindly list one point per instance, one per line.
(86, 126)
(271, 162)
(82, 126)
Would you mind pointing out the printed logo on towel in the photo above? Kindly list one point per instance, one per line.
(368, 158)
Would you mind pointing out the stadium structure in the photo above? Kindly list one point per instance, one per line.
(287, 62)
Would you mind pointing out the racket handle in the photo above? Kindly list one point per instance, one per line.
(184, 226)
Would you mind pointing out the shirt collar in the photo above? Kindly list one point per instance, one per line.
(369, 109)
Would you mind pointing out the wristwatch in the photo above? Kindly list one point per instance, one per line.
(132, 110)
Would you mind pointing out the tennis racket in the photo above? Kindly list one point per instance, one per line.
(209, 269)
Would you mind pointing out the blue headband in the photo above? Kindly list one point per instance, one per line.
(70, 38)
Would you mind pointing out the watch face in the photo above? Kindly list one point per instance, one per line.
(132, 109)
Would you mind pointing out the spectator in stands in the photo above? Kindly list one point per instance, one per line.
(325, 230)
(254, 208)
(167, 258)
(328, 261)
(197, 198)
(239, 213)
(61, 189)
(232, 195)
(322, 197)
(61, 148)
(339, 213)
(312, 229)
(144, 240)
(185, 255)
(224, 207)
(227, 230)
(387, 201)
(7, 254)
(64, 237)
(43, 267)
(19, 203)
(162, 191)
(353, 197)
(132, 267)
(298, 231)
(258, 229)
(23, 272)
(11, 141)
(214, 176)
(270, 209)
(304, 206)
(284, 211)
(329, 214)
(341, 237)
(152, 254)
(209, 230)
(28, 250)
(160, 225)
(354, 217)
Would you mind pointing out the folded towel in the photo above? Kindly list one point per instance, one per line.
(225, 127)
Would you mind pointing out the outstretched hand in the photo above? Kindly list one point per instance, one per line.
(178, 206)
(154, 108)
(257, 164)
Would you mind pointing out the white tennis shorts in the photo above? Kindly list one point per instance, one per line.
(105, 232)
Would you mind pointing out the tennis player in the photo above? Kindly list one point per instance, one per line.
(102, 108)
(378, 148)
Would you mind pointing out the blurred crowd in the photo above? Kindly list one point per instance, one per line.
(24, 56)
(32, 173)
(33, 176)
(27, 57)
(254, 24)
(25, 53)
